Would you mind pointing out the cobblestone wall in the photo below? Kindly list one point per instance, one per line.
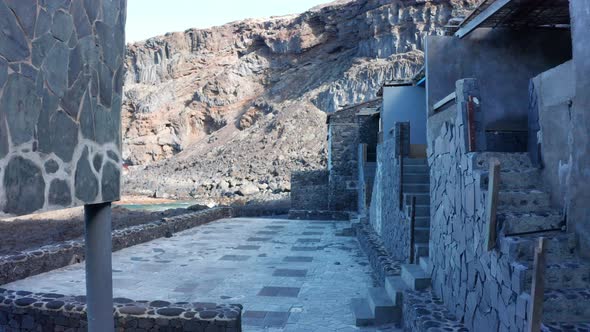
(23, 311)
(61, 77)
(343, 165)
(476, 285)
(309, 190)
(16, 267)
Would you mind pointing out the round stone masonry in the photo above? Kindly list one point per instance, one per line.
(40, 310)
(61, 67)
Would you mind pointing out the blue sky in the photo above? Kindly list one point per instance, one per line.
(148, 18)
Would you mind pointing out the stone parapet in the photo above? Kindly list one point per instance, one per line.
(47, 258)
(24, 311)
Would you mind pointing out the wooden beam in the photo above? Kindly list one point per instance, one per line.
(492, 203)
(481, 18)
(538, 288)
(412, 228)
(444, 101)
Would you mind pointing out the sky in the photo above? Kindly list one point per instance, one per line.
(149, 18)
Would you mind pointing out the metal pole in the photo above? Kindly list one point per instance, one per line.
(99, 278)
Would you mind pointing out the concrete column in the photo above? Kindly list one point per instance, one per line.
(99, 279)
(578, 209)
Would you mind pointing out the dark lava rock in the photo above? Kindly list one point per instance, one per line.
(111, 182)
(25, 301)
(59, 193)
(159, 304)
(54, 305)
(86, 182)
(24, 185)
(170, 312)
(51, 166)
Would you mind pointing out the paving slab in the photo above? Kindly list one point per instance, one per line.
(208, 264)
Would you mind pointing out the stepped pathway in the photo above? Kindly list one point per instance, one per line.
(524, 215)
(384, 305)
(416, 183)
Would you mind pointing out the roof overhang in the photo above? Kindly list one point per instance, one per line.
(516, 14)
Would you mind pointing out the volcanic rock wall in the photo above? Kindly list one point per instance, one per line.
(61, 76)
(209, 111)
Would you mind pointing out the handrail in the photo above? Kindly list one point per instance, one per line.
(451, 97)
(492, 203)
(538, 287)
(401, 167)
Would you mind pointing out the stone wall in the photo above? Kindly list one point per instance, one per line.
(343, 163)
(48, 258)
(61, 77)
(475, 284)
(23, 311)
(386, 217)
(309, 190)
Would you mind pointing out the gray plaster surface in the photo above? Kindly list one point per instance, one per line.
(281, 289)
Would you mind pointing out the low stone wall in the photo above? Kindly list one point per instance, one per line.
(29, 263)
(382, 263)
(24, 311)
(423, 311)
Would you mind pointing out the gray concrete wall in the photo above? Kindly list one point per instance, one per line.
(61, 76)
(554, 91)
(405, 104)
(578, 208)
(504, 63)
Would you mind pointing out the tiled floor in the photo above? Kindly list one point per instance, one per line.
(291, 280)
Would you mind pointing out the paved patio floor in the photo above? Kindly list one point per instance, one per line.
(290, 275)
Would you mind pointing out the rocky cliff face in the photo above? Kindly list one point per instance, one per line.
(233, 109)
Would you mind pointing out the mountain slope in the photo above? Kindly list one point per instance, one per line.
(237, 107)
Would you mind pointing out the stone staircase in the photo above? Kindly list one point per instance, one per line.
(416, 183)
(524, 215)
(383, 305)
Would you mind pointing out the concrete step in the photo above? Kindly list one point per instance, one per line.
(421, 250)
(395, 287)
(560, 246)
(527, 178)
(508, 161)
(563, 274)
(415, 178)
(565, 326)
(424, 263)
(567, 305)
(421, 234)
(415, 277)
(416, 188)
(421, 198)
(363, 315)
(382, 306)
(422, 169)
(423, 222)
(415, 161)
(526, 200)
(422, 210)
(518, 223)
